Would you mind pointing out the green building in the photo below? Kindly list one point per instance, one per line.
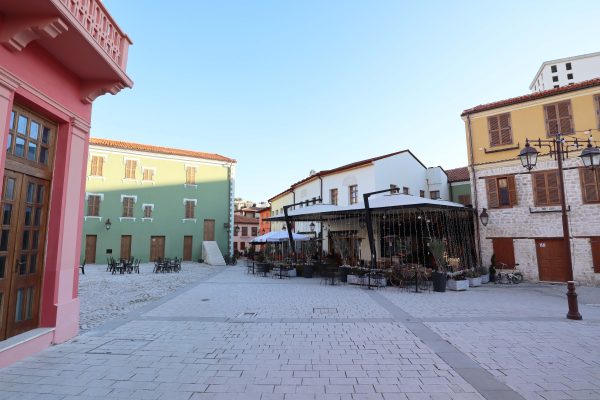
(459, 183)
(148, 202)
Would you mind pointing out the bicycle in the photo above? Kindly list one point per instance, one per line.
(508, 275)
(230, 260)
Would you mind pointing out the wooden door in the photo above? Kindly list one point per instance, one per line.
(209, 230)
(553, 265)
(126, 247)
(595, 243)
(90, 249)
(504, 251)
(24, 216)
(157, 248)
(187, 248)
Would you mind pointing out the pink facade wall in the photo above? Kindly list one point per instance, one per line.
(33, 79)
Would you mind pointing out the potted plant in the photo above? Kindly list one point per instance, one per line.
(485, 275)
(493, 268)
(474, 277)
(439, 276)
(458, 281)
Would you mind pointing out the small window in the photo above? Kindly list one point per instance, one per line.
(254, 231)
(553, 68)
(434, 194)
(569, 67)
(190, 209)
(190, 175)
(130, 166)
(353, 193)
(464, 199)
(569, 76)
(147, 211)
(499, 128)
(93, 206)
(590, 185)
(148, 174)
(556, 86)
(128, 206)
(97, 166)
(333, 196)
(405, 190)
(555, 79)
(501, 191)
(236, 231)
(558, 118)
(422, 193)
(545, 188)
(394, 189)
(244, 231)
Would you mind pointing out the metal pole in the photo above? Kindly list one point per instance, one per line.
(288, 225)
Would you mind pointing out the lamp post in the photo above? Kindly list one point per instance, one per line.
(591, 159)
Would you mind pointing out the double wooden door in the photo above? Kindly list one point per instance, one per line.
(22, 237)
(553, 260)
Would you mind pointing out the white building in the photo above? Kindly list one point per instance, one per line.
(345, 185)
(566, 71)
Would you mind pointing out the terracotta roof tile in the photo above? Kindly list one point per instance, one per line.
(240, 219)
(458, 174)
(158, 149)
(533, 96)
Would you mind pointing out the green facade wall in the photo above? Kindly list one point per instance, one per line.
(459, 190)
(167, 193)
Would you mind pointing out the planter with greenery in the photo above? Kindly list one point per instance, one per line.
(474, 277)
(439, 276)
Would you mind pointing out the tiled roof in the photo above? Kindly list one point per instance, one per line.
(458, 174)
(240, 219)
(533, 96)
(118, 144)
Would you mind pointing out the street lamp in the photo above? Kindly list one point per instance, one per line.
(484, 217)
(312, 226)
(590, 156)
(108, 224)
(528, 156)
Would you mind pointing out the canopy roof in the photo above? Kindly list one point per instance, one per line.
(319, 212)
(278, 236)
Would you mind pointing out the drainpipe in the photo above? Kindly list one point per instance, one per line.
(474, 180)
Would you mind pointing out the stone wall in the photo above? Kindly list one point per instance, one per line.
(525, 222)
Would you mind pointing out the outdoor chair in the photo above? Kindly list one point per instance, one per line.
(82, 267)
(136, 266)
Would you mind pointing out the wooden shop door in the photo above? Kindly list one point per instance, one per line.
(187, 248)
(126, 247)
(504, 250)
(209, 230)
(157, 248)
(90, 249)
(553, 265)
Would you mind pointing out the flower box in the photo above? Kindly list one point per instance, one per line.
(457, 285)
(485, 278)
(474, 282)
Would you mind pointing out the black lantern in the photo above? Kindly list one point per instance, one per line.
(528, 156)
(236, 230)
(284, 228)
(484, 217)
(108, 224)
(590, 156)
(312, 226)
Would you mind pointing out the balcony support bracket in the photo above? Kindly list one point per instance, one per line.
(91, 90)
(17, 33)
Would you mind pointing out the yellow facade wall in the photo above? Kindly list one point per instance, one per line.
(527, 121)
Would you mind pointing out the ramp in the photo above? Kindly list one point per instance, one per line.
(212, 254)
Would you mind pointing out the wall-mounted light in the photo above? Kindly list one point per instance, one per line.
(236, 230)
(108, 224)
(484, 217)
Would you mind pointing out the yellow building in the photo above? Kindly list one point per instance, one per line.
(277, 202)
(525, 227)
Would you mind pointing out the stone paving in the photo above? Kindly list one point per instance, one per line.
(237, 336)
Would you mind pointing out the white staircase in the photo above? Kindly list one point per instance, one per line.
(212, 254)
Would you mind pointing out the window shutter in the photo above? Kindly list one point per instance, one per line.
(91, 206)
(564, 115)
(595, 242)
(552, 188)
(551, 119)
(597, 102)
(539, 189)
(94, 171)
(494, 128)
(505, 129)
(492, 192)
(512, 190)
(590, 189)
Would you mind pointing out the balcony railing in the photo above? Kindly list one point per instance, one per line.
(94, 17)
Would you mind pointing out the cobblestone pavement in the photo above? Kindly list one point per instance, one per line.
(104, 296)
(237, 336)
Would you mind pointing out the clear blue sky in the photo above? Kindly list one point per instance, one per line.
(289, 86)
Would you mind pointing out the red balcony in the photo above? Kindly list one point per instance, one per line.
(80, 34)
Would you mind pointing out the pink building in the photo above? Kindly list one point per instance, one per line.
(56, 58)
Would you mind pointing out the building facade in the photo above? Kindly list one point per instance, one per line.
(264, 223)
(566, 71)
(55, 60)
(525, 227)
(161, 202)
(246, 229)
(459, 185)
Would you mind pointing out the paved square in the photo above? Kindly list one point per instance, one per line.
(235, 336)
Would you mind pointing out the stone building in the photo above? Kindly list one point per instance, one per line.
(525, 225)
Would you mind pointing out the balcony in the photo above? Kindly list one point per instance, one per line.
(80, 34)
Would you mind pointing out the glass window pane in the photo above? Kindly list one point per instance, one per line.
(31, 151)
(34, 130)
(9, 142)
(44, 155)
(25, 243)
(19, 306)
(12, 120)
(40, 194)
(19, 147)
(46, 135)
(6, 214)
(30, 191)
(10, 189)
(38, 216)
(4, 240)
(33, 263)
(2, 266)
(29, 307)
(28, 212)
(22, 125)
(23, 265)
(34, 240)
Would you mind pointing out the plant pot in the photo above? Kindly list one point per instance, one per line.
(352, 279)
(308, 271)
(344, 274)
(474, 282)
(492, 276)
(460, 285)
(485, 278)
(439, 281)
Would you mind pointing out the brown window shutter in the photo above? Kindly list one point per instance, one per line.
(590, 189)
(539, 189)
(94, 171)
(494, 128)
(595, 242)
(492, 192)
(552, 188)
(512, 190)
(505, 129)
(99, 166)
(91, 206)
(551, 119)
(564, 115)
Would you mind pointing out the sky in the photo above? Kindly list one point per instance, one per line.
(285, 87)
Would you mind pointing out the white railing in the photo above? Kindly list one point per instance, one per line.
(94, 17)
